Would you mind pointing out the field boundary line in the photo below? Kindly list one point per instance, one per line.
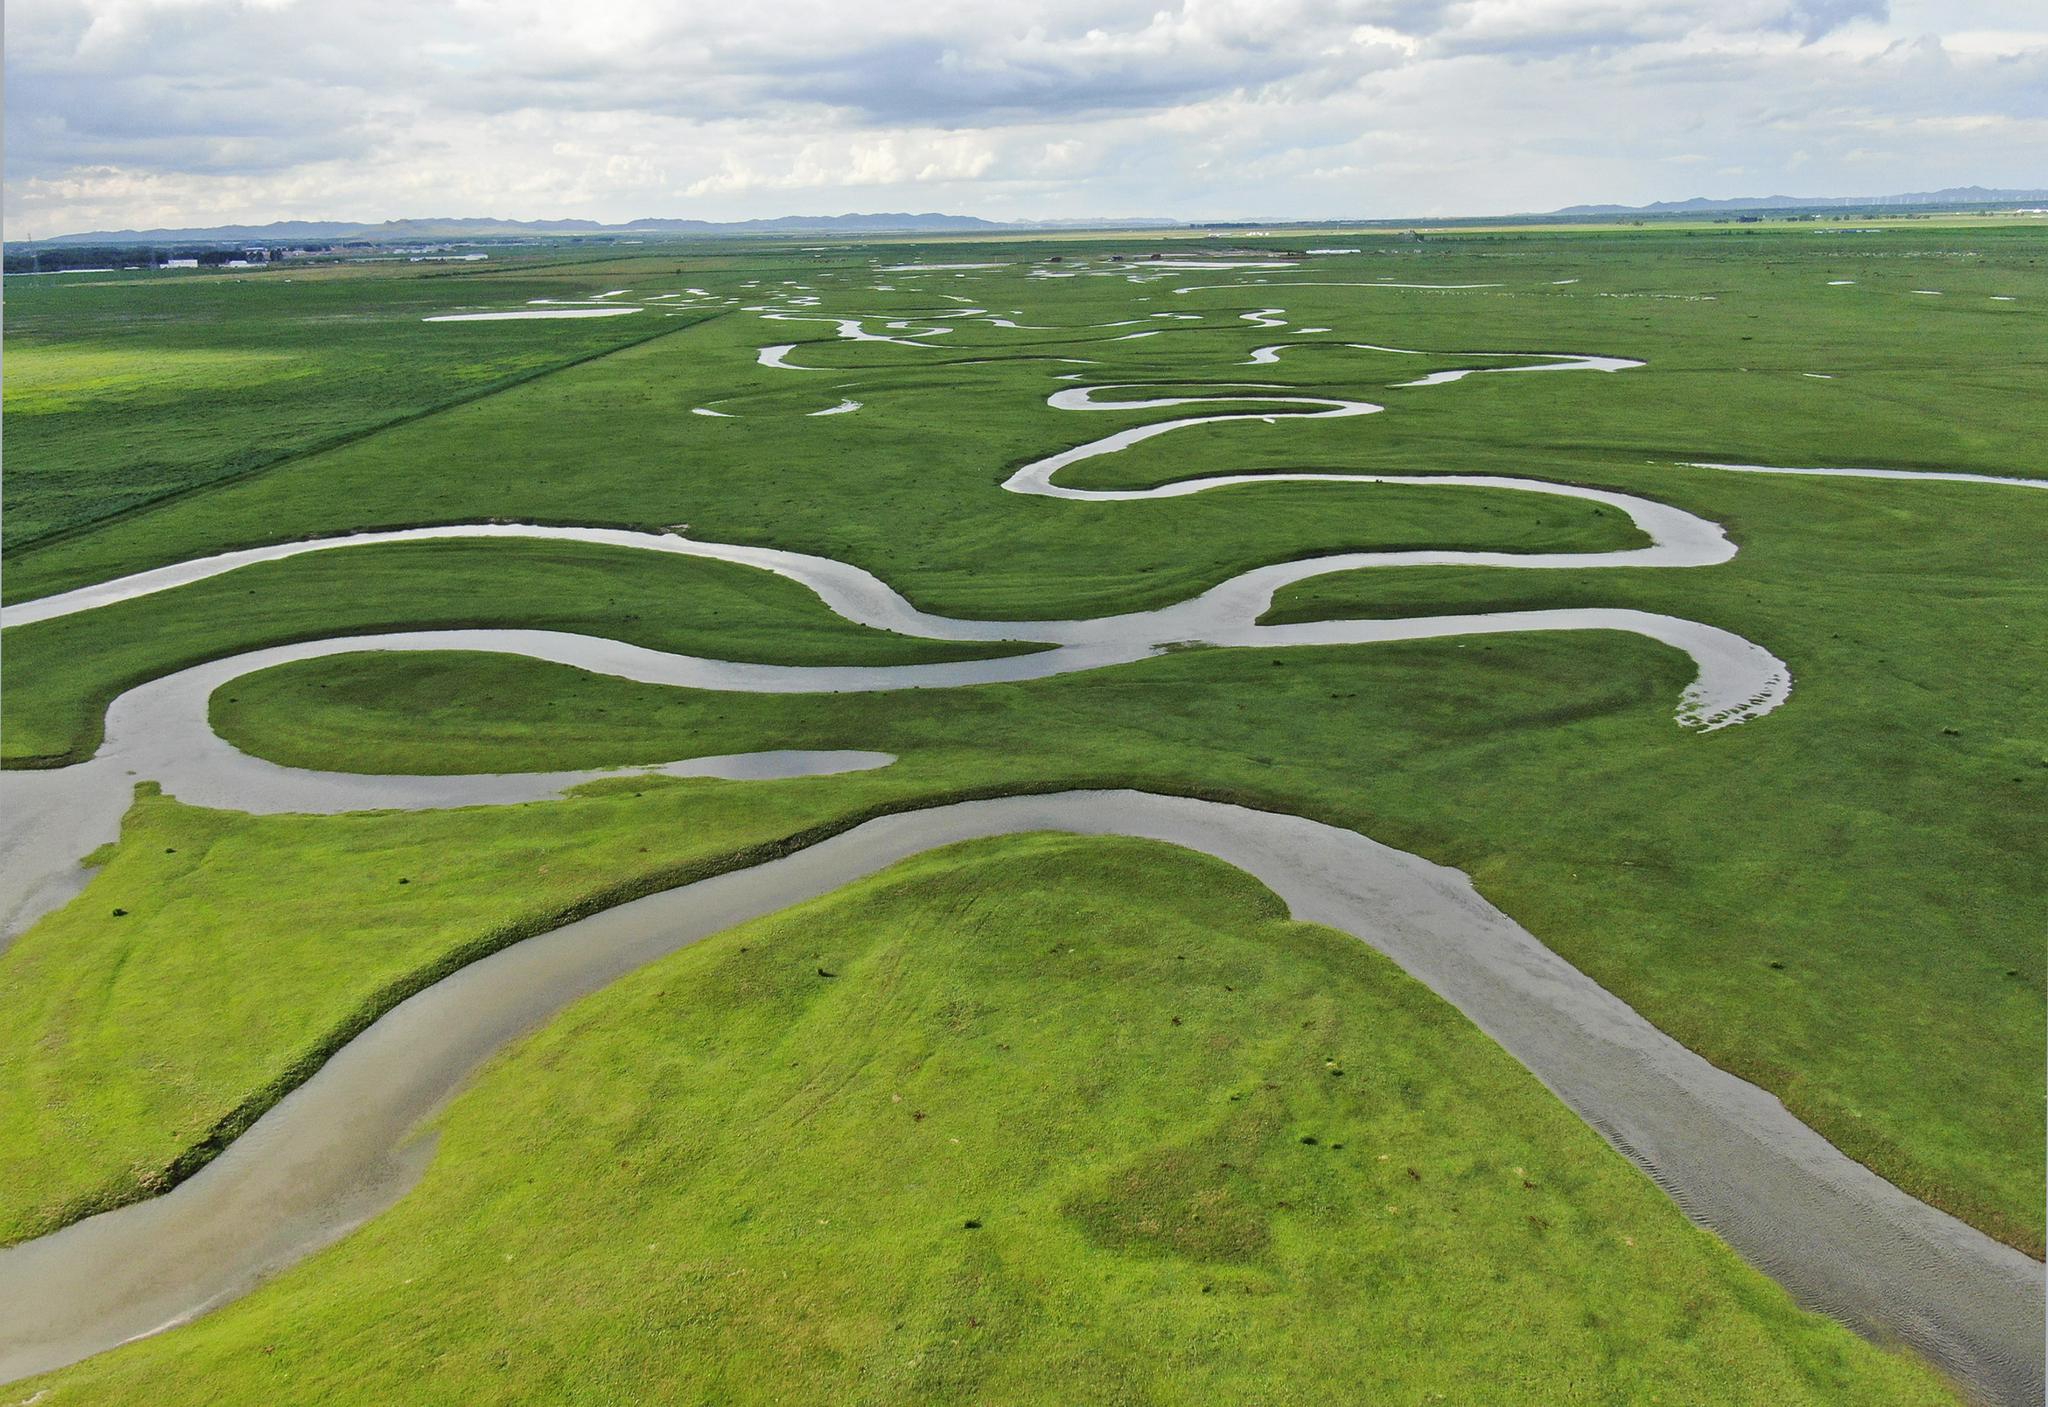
(57, 536)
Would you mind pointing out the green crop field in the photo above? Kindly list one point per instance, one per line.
(1838, 900)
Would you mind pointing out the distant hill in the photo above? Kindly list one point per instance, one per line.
(403, 231)
(1954, 195)
(903, 222)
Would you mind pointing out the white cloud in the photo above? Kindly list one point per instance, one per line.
(138, 112)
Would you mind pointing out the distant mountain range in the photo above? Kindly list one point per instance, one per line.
(1954, 195)
(902, 222)
(405, 231)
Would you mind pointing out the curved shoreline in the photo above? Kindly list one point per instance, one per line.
(160, 731)
(1727, 1152)
(1678, 538)
(343, 1145)
(157, 731)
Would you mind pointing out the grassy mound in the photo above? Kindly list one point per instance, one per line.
(1834, 902)
(1033, 1120)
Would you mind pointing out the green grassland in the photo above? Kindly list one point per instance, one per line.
(122, 391)
(64, 672)
(1071, 1120)
(903, 488)
(1837, 901)
(112, 1091)
(1892, 1003)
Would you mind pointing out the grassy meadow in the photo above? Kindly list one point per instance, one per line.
(129, 389)
(66, 671)
(1839, 901)
(1072, 1120)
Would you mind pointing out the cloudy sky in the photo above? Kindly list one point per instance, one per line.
(135, 113)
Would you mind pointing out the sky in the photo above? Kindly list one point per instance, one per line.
(142, 113)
